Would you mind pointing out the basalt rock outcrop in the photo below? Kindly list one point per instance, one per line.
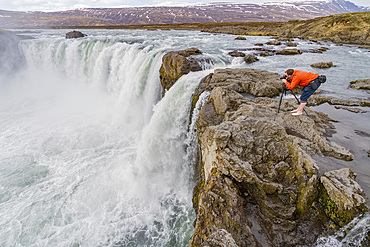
(258, 180)
(258, 183)
(177, 63)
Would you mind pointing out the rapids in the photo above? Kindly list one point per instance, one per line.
(91, 155)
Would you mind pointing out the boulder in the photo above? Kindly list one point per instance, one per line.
(345, 196)
(267, 53)
(236, 53)
(74, 35)
(289, 52)
(322, 65)
(177, 63)
(364, 47)
(361, 84)
(240, 38)
(319, 50)
(291, 44)
(273, 42)
(250, 58)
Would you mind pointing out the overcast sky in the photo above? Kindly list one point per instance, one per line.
(50, 5)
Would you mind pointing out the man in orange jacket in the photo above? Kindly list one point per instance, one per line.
(309, 81)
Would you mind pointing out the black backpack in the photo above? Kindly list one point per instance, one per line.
(322, 78)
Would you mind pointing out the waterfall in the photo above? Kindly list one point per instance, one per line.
(11, 56)
(354, 233)
(90, 154)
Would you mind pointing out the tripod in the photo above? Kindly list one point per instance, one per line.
(281, 97)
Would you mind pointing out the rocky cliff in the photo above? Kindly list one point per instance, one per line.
(258, 182)
(177, 63)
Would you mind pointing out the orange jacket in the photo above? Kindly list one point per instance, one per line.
(301, 78)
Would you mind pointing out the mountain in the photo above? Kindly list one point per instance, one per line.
(203, 13)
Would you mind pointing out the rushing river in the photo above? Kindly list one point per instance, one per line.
(91, 155)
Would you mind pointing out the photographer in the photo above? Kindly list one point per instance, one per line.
(309, 81)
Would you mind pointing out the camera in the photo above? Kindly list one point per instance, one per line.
(284, 77)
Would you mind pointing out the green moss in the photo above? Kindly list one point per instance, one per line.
(194, 100)
(196, 194)
(331, 210)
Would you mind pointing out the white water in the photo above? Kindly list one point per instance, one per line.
(90, 154)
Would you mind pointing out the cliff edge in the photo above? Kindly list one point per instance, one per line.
(258, 184)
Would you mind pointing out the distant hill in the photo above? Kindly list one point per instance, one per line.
(203, 13)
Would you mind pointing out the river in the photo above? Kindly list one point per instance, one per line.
(92, 155)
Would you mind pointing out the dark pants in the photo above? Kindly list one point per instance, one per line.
(308, 90)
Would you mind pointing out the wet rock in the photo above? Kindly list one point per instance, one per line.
(291, 44)
(267, 53)
(236, 53)
(361, 84)
(346, 197)
(322, 65)
(362, 133)
(177, 63)
(74, 35)
(320, 50)
(258, 44)
(351, 109)
(364, 47)
(321, 99)
(273, 42)
(289, 52)
(240, 38)
(250, 59)
(285, 39)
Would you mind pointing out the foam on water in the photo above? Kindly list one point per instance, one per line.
(354, 234)
(85, 161)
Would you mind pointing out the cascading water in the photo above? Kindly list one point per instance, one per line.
(86, 160)
(90, 154)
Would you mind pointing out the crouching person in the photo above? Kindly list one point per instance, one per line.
(309, 81)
